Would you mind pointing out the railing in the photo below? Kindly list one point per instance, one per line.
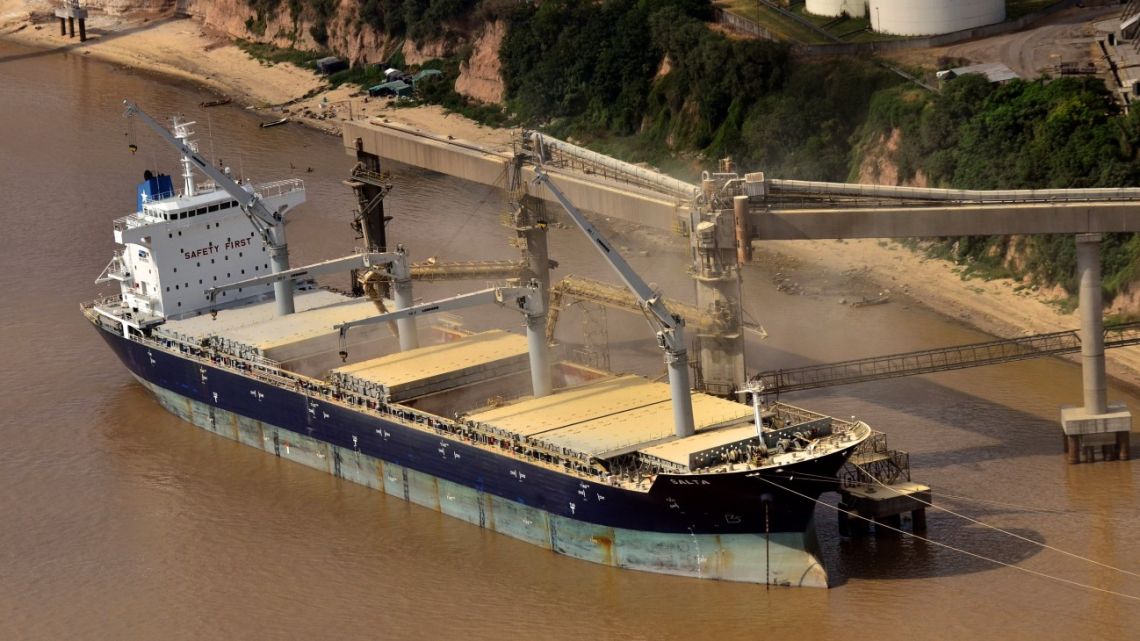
(279, 187)
(940, 360)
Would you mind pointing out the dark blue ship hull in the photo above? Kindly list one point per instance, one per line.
(729, 510)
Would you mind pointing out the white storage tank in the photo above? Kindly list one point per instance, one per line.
(933, 17)
(836, 8)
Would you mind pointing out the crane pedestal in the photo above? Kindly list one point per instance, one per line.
(1097, 423)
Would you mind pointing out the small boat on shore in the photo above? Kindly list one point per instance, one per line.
(224, 100)
(274, 123)
(882, 299)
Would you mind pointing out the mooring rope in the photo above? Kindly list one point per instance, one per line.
(952, 548)
(1003, 531)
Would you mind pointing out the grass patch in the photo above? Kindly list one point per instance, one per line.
(269, 54)
(780, 25)
(1066, 305)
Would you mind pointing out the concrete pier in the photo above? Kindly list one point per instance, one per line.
(68, 12)
(883, 505)
(1098, 423)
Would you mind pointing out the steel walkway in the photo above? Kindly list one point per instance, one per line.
(940, 360)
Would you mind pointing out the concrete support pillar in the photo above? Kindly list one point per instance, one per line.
(918, 520)
(1123, 445)
(1092, 323)
(63, 26)
(1074, 448)
(82, 30)
(743, 238)
(71, 27)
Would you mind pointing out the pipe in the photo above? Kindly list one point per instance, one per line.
(959, 195)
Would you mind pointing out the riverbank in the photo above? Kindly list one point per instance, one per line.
(182, 48)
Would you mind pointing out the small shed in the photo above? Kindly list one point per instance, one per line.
(396, 88)
(330, 64)
(995, 72)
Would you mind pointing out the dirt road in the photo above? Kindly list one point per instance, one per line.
(1069, 36)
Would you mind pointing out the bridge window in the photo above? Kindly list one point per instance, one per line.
(213, 208)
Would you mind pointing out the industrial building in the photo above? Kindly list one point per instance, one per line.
(836, 8)
(915, 17)
(932, 17)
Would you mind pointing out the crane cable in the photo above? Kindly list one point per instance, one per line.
(998, 529)
(947, 546)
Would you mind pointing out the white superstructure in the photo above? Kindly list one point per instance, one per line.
(932, 17)
(180, 243)
(836, 8)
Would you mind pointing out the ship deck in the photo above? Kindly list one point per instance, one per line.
(482, 381)
(609, 417)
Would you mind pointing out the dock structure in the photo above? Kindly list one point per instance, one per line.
(876, 489)
(68, 13)
(727, 212)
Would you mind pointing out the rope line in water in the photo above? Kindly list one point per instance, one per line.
(1003, 531)
(947, 546)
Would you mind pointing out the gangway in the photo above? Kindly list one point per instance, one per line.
(939, 360)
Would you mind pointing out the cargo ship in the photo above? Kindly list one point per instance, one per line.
(484, 427)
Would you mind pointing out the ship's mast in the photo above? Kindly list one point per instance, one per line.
(182, 133)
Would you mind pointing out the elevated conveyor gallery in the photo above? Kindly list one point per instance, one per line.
(939, 360)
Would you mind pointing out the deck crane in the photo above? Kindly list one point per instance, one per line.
(268, 224)
(668, 326)
(527, 299)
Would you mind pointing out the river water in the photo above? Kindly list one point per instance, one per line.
(118, 521)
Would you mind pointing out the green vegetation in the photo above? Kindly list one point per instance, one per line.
(599, 80)
(649, 80)
(270, 54)
(1067, 133)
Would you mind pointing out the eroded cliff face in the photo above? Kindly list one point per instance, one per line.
(354, 39)
(480, 78)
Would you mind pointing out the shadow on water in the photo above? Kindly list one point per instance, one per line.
(938, 406)
(93, 36)
(895, 556)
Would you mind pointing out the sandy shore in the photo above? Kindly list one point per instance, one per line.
(181, 48)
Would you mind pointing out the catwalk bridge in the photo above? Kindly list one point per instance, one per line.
(939, 360)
